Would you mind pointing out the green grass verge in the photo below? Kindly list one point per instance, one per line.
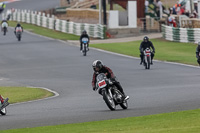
(176, 122)
(22, 94)
(46, 32)
(165, 50)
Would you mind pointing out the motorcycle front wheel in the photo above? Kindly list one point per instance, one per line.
(3, 111)
(84, 50)
(109, 101)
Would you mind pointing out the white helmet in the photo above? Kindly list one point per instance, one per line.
(97, 64)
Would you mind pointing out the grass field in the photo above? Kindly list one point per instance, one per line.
(176, 122)
(165, 50)
(22, 94)
(46, 32)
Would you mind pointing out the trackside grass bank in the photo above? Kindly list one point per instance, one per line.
(46, 32)
(165, 50)
(22, 94)
(176, 122)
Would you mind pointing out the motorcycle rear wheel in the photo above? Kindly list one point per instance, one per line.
(148, 63)
(124, 105)
(3, 111)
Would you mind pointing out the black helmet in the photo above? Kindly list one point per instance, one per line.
(18, 25)
(97, 64)
(146, 38)
(84, 32)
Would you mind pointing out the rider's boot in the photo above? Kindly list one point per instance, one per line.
(151, 62)
(126, 97)
(141, 62)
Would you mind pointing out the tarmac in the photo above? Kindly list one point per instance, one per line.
(117, 40)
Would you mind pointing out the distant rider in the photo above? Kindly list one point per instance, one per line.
(18, 26)
(98, 67)
(4, 23)
(146, 44)
(2, 7)
(84, 35)
(198, 53)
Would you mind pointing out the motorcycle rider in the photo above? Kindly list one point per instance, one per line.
(84, 35)
(4, 102)
(18, 26)
(198, 53)
(2, 7)
(146, 44)
(4, 23)
(98, 67)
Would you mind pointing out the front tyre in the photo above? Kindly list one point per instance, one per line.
(109, 101)
(3, 111)
(84, 50)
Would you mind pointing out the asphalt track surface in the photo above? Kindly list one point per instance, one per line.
(42, 62)
(35, 5)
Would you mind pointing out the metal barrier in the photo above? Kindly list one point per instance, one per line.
(149, 24)
(50, 22)
(181, 34)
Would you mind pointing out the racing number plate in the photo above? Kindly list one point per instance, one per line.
(102, 83)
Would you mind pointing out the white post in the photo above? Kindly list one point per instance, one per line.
(199, 8)
(161, 12)
(100, 11)
(191, 6)
(132, 14)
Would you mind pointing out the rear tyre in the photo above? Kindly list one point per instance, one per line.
(19, 38)
(124, 104)
(4, 31)
(148, 63)
(3, 111)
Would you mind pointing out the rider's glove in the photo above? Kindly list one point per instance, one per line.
(94, 88)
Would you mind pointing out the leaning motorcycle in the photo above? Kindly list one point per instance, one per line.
(84, 46)
(4, 28)
(147, 58)
(19, 33)
(3, 104)
(111, 95)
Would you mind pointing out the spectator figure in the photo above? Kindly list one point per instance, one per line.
(171, 21)
(160, 8)
(174, 10)
(182, 10)
(93, 6)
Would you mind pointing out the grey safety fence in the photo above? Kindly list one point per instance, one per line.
(181, 34)
(50, 22)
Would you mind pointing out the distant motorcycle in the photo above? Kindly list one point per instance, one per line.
(84, 46)
(147, 58)
(19, 33)
(4, 28)
(111, 95)
(3, 104)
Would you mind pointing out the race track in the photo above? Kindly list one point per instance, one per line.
(42, 62)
